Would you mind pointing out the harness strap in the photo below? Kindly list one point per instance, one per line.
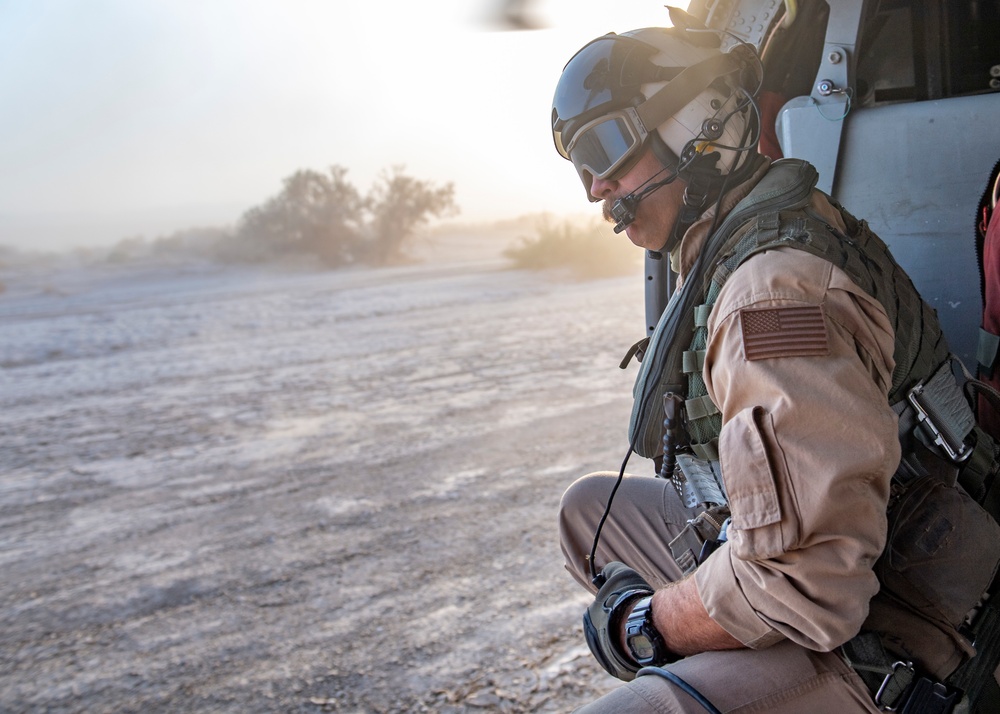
(700, 407)
(979, 471)
(886, 678)
(978, 475)
(944, 417)
(895, 685)
(693, 361)
(986, 351)
(975, 677)
(638, 350)
(701, 314)
(709, 450)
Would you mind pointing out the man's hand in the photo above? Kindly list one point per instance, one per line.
(602, 621)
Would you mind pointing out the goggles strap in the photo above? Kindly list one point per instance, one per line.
(683, 88)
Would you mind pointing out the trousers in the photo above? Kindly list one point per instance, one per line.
(647, 514)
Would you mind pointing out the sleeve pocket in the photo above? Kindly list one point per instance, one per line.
(751, 485)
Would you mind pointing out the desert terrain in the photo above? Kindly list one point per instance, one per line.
(248, 490)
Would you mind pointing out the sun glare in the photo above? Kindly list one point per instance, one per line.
(519, 72)
(594, 17)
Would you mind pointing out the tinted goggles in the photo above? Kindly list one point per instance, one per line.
(606, 145)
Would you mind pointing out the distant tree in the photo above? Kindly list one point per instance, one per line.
(398, 205)
(315, 213)
(326, 216)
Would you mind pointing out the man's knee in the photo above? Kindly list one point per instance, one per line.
(580, 511)
(647, 514)
(586, 498)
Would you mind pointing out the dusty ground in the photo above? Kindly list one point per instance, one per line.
(263, 492)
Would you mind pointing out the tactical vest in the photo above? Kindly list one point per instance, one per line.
(920, 347)
(775, 215)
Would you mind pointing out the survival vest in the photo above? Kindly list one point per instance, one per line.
(937, 429)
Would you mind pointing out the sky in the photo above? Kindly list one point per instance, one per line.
(142, 117)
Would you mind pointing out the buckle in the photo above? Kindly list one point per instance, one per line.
(892, 688)
(957, 453)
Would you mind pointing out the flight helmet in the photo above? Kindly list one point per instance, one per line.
(672, 88)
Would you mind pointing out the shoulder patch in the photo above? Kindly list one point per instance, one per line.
(784, 332)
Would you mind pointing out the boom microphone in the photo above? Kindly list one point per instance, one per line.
(624, 208)
(623, 211)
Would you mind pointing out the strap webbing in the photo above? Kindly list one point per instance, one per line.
(683, 88)
(986, 351)
(975, 677)
(693, 361)
(886, 678)
(700, 407)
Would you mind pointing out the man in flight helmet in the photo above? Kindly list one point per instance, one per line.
(744, 577)
(701, 122)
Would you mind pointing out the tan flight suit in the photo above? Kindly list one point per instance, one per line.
(807, 448)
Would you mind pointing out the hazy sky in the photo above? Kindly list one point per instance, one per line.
(125, 117)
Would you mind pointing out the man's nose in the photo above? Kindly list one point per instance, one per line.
(602, 188)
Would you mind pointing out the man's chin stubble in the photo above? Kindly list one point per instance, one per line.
(606, 210)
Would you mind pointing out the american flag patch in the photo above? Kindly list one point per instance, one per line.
(784, 332)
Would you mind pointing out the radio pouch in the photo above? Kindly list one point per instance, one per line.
(942, 551)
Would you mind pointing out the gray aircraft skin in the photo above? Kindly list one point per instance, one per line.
(897, 104)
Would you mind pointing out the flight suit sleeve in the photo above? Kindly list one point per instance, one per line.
(799, 361)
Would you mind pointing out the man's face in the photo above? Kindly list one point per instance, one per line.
(656, 213)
